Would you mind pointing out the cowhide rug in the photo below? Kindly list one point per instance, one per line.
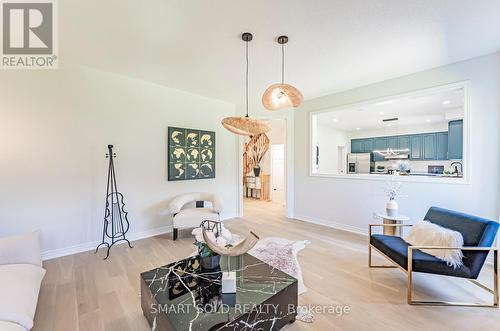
(282, 253)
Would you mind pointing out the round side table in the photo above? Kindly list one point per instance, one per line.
(392, 230)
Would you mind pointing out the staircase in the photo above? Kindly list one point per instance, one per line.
(258, 144)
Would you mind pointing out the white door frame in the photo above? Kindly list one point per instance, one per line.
(273, 174)
(289, 146)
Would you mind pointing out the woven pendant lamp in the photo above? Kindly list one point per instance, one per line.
(245, 126)
(281, 95)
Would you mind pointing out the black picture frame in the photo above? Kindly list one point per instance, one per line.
(191, 154)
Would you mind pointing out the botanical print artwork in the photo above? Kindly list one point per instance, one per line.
(191, 154)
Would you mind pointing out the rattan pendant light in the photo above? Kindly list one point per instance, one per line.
(281, 95)
(245, 126)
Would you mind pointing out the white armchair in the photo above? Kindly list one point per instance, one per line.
(191, 217)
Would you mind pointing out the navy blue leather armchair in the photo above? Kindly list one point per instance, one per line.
(479, 236)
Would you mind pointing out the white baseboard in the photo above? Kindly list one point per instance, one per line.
(88, 246)
(332, 224)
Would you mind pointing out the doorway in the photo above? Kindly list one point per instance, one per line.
(264, 171)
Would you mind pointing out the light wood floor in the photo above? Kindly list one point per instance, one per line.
(83, 292)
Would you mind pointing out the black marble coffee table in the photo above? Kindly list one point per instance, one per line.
(182, 296)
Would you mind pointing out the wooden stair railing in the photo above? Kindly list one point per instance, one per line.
(258, 144)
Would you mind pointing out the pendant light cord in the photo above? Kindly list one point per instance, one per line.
(246, 78)
(282, 63)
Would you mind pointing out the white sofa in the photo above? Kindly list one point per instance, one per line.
(190, 209)
(21, 275)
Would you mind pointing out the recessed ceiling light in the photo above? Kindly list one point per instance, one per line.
(381, 113)
(428, 121)
(389, 124)
(357, 129)
(446, 102)
(335, 120)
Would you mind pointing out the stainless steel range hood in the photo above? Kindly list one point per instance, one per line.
(394, 154)
(404, 156)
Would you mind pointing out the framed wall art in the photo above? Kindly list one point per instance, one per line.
(191, 154)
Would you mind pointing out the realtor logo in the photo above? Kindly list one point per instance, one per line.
(29, 39)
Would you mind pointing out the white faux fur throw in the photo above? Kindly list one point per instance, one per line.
(425, 233)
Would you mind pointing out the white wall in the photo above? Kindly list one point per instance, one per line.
(328, 140)
(276, 137)
(349, 203)
(54, 129)
(277, 133)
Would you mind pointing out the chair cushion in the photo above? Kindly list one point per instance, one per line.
(177, 203)
(192, 217)
(19, 287)
(8, 326)
(397, 249)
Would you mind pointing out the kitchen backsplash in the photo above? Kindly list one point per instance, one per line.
(417, 166)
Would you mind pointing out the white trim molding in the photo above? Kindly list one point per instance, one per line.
(88, 246)
(332, 224)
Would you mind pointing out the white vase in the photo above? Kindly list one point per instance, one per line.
(392, 208)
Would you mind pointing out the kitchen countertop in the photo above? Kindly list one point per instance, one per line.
(419, 174)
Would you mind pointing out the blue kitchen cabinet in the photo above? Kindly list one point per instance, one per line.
(366, 145)
(455, 139)
(416, 147)
(426, 146)
(356, 146)
(380, 144)
(362, 145)
(429, 146)
(442, 146)
(404, 142)
(393, 142)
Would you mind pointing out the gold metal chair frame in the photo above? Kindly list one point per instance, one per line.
(409, 272)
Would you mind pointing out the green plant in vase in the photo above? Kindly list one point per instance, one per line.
(204, 250)
(258, 152)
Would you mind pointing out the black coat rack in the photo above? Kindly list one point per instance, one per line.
(116, 222)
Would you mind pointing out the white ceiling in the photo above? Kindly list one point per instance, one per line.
(195, 45)
(411, 111)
